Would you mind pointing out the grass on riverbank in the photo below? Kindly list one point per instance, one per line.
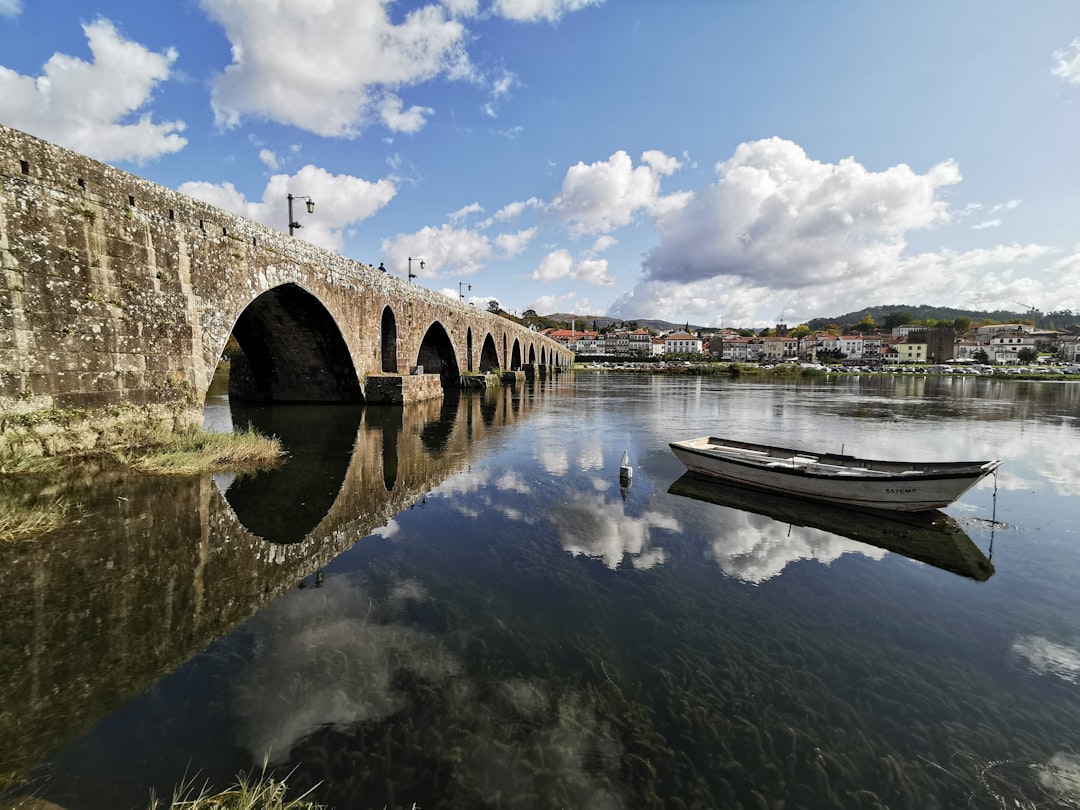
(250, 792)
(29, 465)
(195, 451)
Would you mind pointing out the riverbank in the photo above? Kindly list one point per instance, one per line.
(788, 370)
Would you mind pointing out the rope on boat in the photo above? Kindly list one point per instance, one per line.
(993, 517)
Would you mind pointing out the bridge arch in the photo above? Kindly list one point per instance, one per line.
(293, 351)
(515, 358)
(437, 356)
(388, 340)
(489, 355)
(469, 350)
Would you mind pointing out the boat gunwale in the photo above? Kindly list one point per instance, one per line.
(847, 468)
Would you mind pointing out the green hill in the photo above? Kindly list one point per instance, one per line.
(1064, 320)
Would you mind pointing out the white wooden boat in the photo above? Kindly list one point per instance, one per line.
(907, 486)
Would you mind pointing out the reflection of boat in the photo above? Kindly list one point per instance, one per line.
(931, 537)
(861, 482)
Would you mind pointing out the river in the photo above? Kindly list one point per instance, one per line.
(459, 604)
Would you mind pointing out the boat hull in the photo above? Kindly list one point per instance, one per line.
(843, 480)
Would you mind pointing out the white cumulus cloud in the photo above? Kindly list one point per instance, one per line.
(398, 119)
(554, 266)
(10, 8)
(534, 10)
(84, 106)
(1067, 63)
(340, 200)
(516, 209)
(593, 271)
(779, 217)
(599, 197)
(511, 244)
(459, 249)
(780, 231)
(327, 67)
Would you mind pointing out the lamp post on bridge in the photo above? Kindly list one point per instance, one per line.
(412, 275)
(460, 296)
(293, 224)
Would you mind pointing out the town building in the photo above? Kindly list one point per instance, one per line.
(683, 343)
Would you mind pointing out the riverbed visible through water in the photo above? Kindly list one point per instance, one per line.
(460, 604)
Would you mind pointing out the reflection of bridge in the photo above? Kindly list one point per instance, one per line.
(158, 568)
(116, 291)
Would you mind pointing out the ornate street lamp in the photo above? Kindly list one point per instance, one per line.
(412, 275)
(459, 293)
(293, 224)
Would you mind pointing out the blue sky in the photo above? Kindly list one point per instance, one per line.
(713, 161)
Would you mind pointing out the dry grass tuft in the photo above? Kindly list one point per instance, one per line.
(25, 523)
(196, 451)
(29, 465)
(249, 793)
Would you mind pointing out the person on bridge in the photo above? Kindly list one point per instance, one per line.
(382, 267)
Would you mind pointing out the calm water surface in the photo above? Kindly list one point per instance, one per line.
(457, 605)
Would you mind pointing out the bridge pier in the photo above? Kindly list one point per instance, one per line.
(400, 389)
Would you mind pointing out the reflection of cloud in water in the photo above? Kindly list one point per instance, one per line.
(511, 481)
(1061, 775)
(1008, 481)
(593, 527)
(1064, 474)
(511, 512)
(591, 458)
(322, 659)
(391, 529)
(328, 657)
(464, 483)
(1048, 658)
(521, 725)
(553, 459)
(754, 548)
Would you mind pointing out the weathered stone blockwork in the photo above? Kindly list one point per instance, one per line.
(116, 292)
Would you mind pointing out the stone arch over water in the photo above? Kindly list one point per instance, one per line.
(515, 358)
(437, 356)
(489, 355)
(388, 340)
(293, 351)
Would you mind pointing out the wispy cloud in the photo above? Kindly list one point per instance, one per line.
(1067, 63)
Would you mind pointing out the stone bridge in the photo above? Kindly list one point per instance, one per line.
(117, 298)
